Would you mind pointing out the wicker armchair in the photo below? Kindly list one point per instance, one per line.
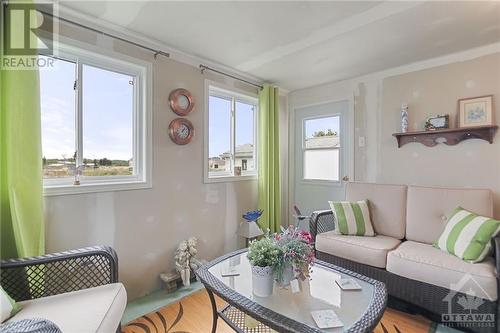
(57, 273)
(321, 221)
(80, 271)
(407, 294)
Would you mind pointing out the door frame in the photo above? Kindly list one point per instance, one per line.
(350, 135)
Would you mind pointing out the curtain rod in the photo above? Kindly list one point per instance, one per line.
(203, 68)
(156, 52)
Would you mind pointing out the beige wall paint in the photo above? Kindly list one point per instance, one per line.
(145, 226)
(430, 87)
(472, 163)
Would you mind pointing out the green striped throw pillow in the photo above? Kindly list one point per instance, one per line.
(468, 235)
(8, 307)
(352, 218)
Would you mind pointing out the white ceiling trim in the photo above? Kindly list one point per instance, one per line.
(349, 24)
(123, 32)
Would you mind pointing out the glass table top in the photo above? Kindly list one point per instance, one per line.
(320, 292)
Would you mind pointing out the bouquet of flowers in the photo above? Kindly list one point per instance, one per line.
(297, 253)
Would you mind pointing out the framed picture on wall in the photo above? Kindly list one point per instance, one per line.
(475, 111)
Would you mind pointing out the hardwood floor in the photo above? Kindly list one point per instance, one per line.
(197, 317)
(193, 314)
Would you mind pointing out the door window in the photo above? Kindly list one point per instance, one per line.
(321, 148)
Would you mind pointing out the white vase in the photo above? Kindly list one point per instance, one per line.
(262, 281)
(404, 118)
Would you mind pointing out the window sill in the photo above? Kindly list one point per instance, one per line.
(228, 179)
(55, 190)
(335, 183)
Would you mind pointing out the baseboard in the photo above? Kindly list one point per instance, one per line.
(157, 300)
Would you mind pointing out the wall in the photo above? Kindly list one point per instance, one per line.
(472, 163)
(145, 226)
(430, 87)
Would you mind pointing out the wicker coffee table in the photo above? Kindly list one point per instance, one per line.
(284, 311)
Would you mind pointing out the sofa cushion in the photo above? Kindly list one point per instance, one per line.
(387, 205)
(352, 218)
(425, 263)
(428, 209)
(98, 309)
(365, 250)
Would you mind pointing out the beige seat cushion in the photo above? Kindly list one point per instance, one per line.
(365, 250)
(97, 309)
(425, 263)
(387, 205)
(428, 208)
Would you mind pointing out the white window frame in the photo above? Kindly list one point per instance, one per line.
(235, 95)
(142, 124)
(304, 149)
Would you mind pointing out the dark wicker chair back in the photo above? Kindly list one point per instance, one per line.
(57, 273)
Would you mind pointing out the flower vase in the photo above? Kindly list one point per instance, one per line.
(404, 118)
(287, 275)
(262, 281)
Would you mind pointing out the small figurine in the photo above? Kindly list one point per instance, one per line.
(252, 215)
(185, 260)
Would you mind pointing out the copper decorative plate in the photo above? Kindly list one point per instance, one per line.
(181, 131)
(181, 101)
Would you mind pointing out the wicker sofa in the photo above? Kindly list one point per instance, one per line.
(419, 277)
(78, 290)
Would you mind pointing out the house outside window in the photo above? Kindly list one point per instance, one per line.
(95, 123)
(321, 149)
(231, 132)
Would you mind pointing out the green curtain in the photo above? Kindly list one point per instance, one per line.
(269, 190)
(21, 212)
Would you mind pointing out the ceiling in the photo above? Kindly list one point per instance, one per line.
(302, 44)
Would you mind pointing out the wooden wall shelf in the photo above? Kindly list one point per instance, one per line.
(450, 136)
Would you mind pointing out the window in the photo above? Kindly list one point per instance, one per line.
(95, 124)
(321, 148)
(230, 148)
